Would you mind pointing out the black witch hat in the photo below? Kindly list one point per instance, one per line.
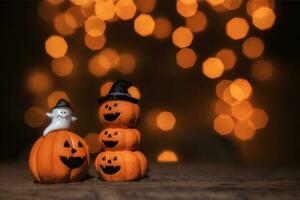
(62, 103)
(119, 91)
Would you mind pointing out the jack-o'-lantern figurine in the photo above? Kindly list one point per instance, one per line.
(59, 155)
(119, 106)
(121, 165)
(116, 139)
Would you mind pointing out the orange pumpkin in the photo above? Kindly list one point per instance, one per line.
(60, 156)
(119, 114)
(118, 139)
(121, 165)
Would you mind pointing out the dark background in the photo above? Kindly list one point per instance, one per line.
(163, 85)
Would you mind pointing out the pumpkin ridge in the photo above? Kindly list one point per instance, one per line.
(35, 159)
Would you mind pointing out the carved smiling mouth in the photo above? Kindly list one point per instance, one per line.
(72, 162)
(110, 169)
(110, 144)
(111, 117)
(66, 117)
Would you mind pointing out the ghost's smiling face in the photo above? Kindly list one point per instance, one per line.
(62, 113)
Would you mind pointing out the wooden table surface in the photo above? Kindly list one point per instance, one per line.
(165, 181)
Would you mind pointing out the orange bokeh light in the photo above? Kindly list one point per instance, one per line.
(186, 8)
(237, 28)
(80, 2)
(99, 65)
(223, 124)
(213, 67)
(61, 25)
(232, 4)
(92, 140)
(112, 56)
(253, 47)
(144, 25)
(94, 26)
(197, 22)
(38, 82)
(242, 111)
(186, 58)
(105, 9)
(221, 87)
(94, 43)
(47, 11)
(62, 66)
(263, 18)
(215, 2)
(126, 64)
(259, 118)
(167, 156)
(252, 5)
(165, 121)
(243, 130)
(163, 28)
(182, 37)
(56, 46)
(55, 96)
(104, 89)
(228, 58)
(125, 9)
(262, 70)
(240, 89)
(74, 17)
(222, 108)
(35, 117)
(145, 6)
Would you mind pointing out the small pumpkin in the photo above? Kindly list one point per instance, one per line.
(121, 165)
(118, 139)
(119, 105)
(60, 156)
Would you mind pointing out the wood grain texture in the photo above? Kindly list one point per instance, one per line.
(165, 181)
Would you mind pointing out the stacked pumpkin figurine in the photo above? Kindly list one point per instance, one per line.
(119, 113)
(59, 155)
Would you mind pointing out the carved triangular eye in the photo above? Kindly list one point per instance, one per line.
(67, 144)
(115, 158)
(80, 144)
(103, 158)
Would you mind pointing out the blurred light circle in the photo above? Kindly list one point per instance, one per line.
(223, 124)
(259, 118)
(38, 82)
(144, 24)
(94, 26)
(237, 28)
(167, 156)
(125, 9)
(74, 17)
(197, 22)
(145, 6)
(62, 66)
(35, 117)
(126, 64)
(240, 89)
(243, 130)
(262, 70)
(213, 67)
(222, 108)
(94, 43)
(242, 111)
(105, 9)
(163, 28)
(228, 58)
(165, 121)
(263, 18)
(111, 55)
(220, 88)
(186, 8)
(56, 46)
(215, 2)
(55, 96)
(252, 5)
(186, 58)
(232, 4)
(253, 47)
(61, 25)
(99, 65)
(182, 37)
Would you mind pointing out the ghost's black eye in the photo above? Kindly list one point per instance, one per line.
(115, 158)
(116, 133)
(106, 106)
(66, 144)
(80, 144)
(105, 133)
(115, 105)
(103, 158)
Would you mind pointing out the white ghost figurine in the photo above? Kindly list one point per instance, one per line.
(61, 116)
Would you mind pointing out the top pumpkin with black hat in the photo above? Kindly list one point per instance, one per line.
(119, 105)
